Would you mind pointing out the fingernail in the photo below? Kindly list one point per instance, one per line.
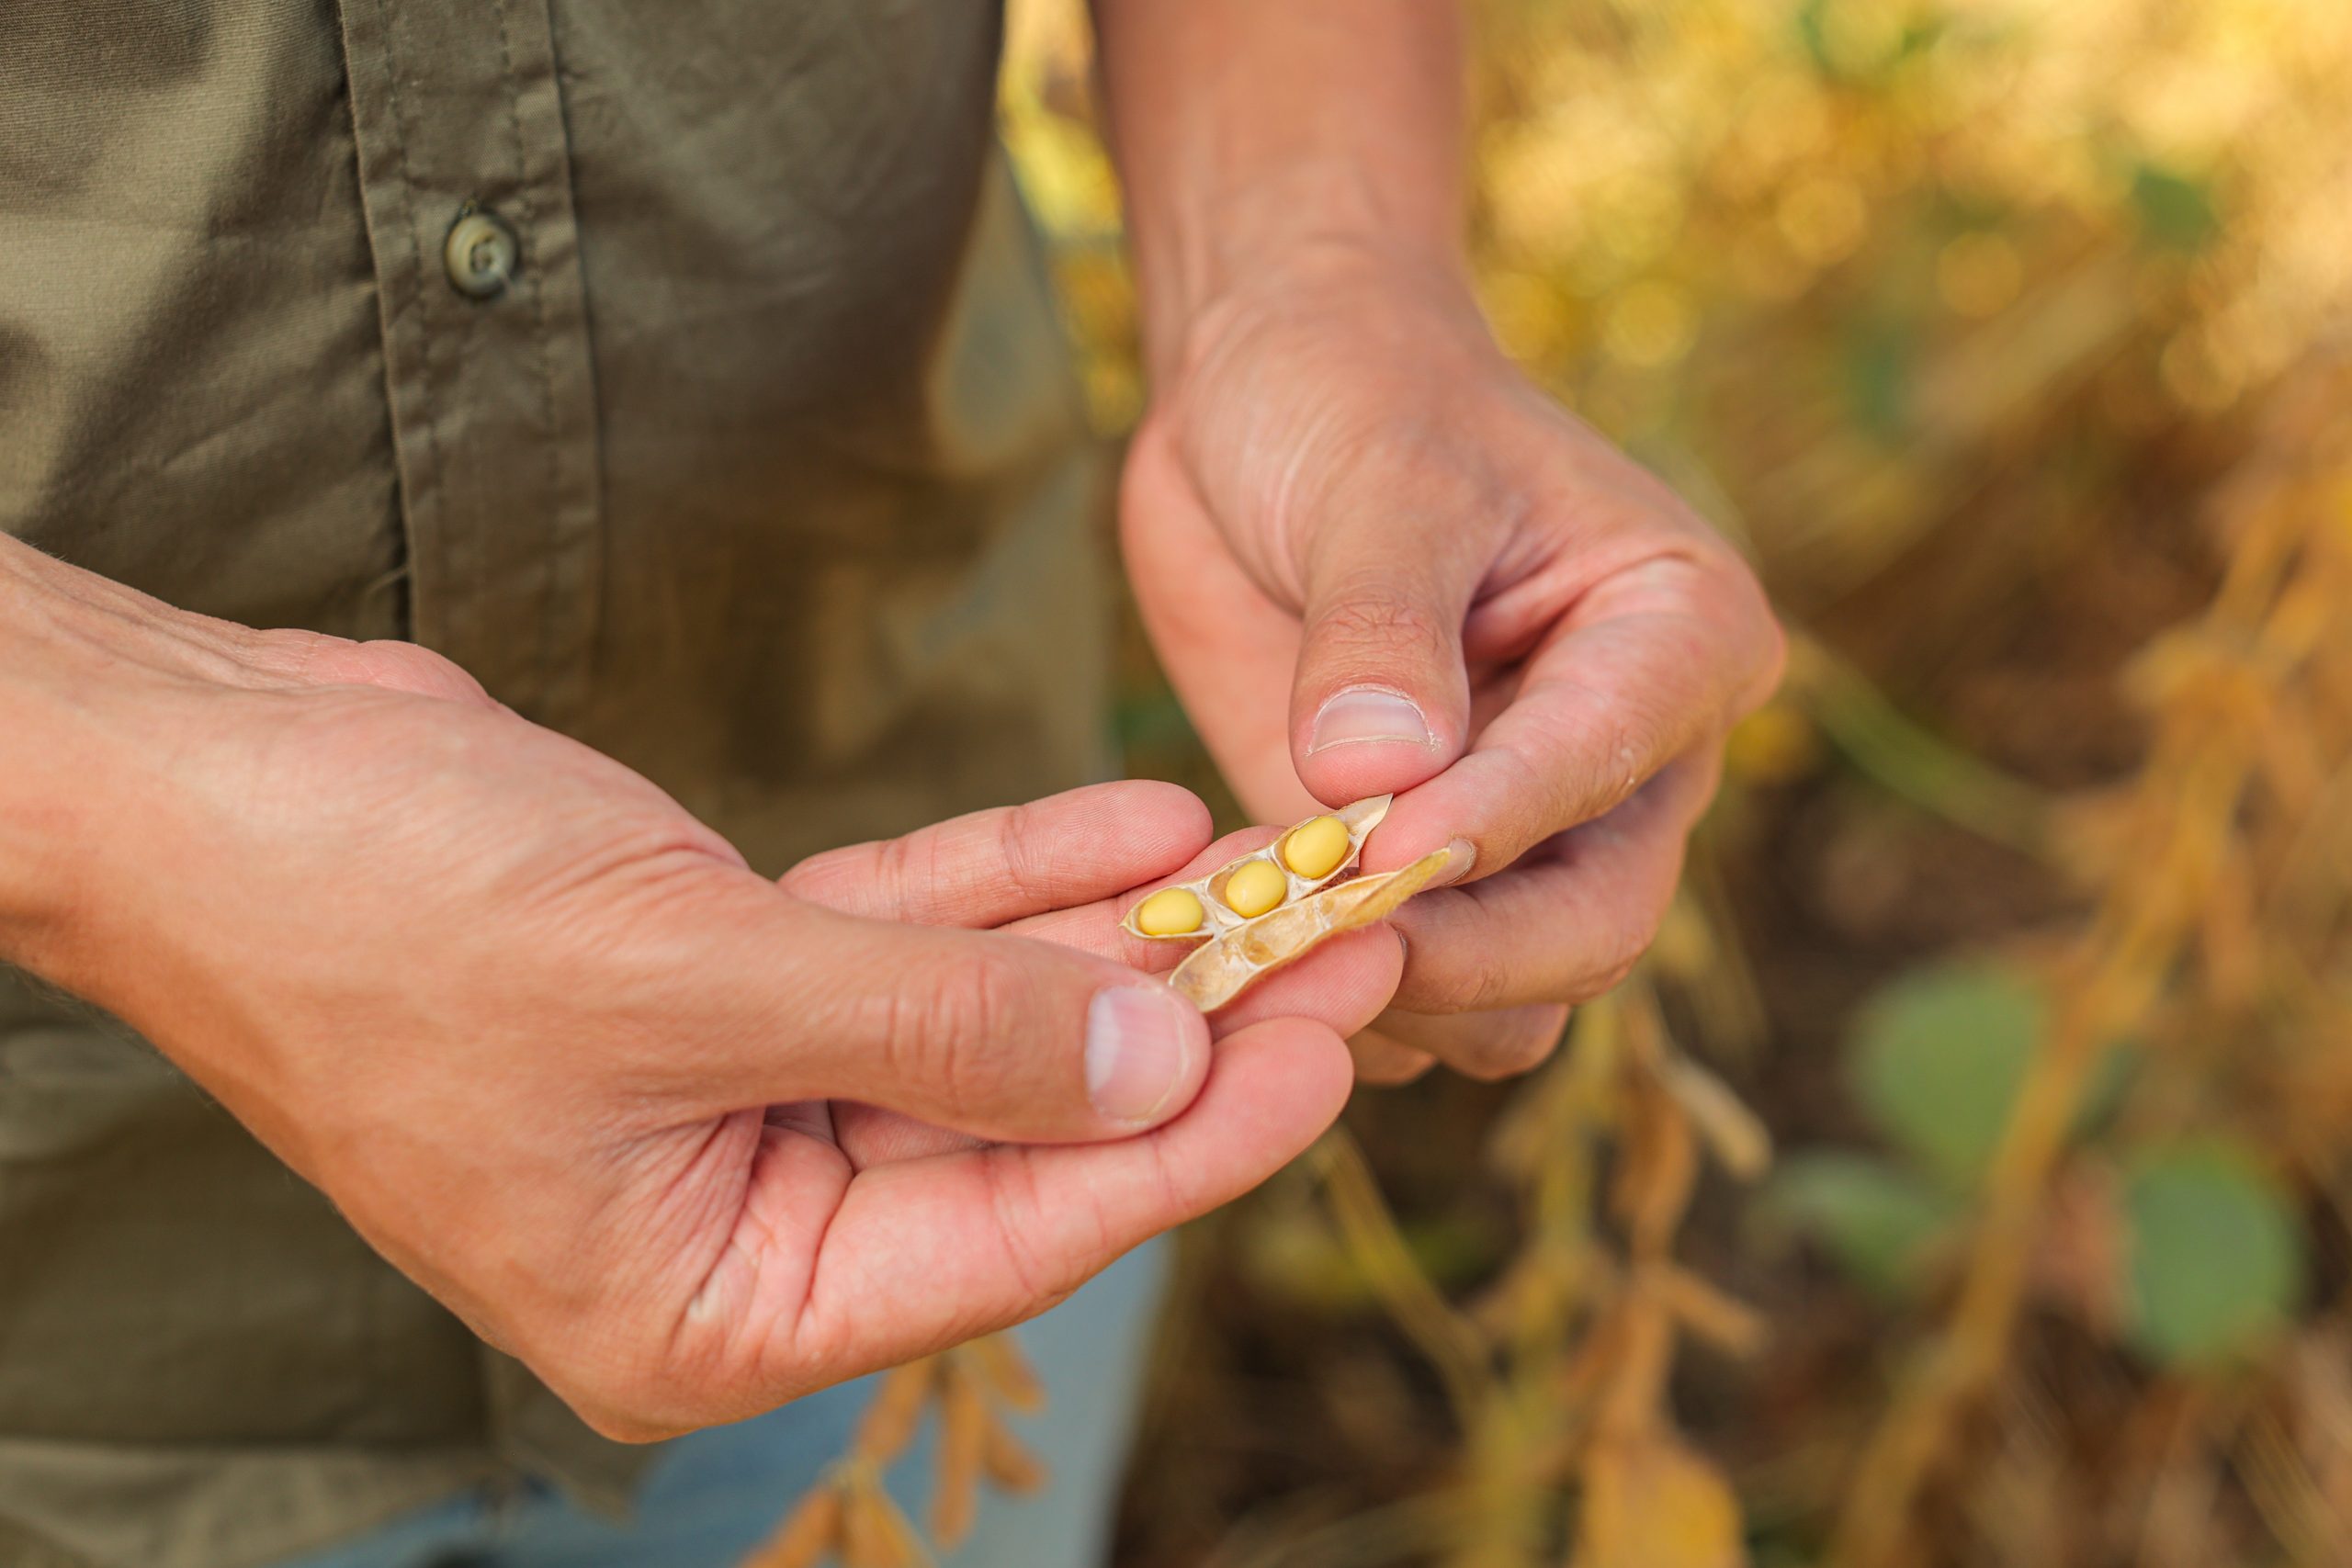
(1140, 1045)
(1366, 713)
(1461, 859)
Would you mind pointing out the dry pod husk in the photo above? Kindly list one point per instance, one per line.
(1245, 944)
(1239, 958)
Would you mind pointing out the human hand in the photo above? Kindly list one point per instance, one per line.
(563, 1059)
(1373, 558)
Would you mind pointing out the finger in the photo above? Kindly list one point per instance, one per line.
(916, 1257)
(1651, 663)
(1488, 1046)
(1381, 1059)
(867, 1134)
(1380, 700)
(990, 867)
(1095, 928)
(1564, 924)
(992, 1034)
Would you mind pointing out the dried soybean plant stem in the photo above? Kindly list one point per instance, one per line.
(1912, 763)
(1451, 1341)
(848, 1517)
(1547, 1146)
(1588, 1342)
(2291, 556)
(1649, 1500)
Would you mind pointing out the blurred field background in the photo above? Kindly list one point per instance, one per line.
(1964, 1179)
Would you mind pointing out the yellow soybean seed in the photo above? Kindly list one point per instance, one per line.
(1256, 888)
(1172, 911)
(1317, 848)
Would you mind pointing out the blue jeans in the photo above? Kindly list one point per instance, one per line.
(709, 1498)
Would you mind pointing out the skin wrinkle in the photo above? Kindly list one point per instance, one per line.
(751, 1242)
(807, 1320)
(1012, 843)
(1028, 1271)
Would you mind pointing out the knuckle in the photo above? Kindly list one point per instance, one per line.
(393, 665)
(894, 872)
(1019, 849)
(832, 879)
(1370, 614)
(1616, 966)
(942, 1032)
(1390, 1069)
(1759, 643)
(1474, 981)
(1519, 1043)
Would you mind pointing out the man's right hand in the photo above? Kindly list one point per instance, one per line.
(559, 1056)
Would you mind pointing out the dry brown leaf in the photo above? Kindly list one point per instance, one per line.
(1657, 1168)
(1730, 1326)
(1735, 1135)
(1649, 1501)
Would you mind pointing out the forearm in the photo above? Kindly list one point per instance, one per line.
(1254, 136)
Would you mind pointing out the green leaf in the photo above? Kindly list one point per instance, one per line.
(2174, 210)
(1879, 1223)
(2214, 1257)
(1936, 1058)
(1877, 366)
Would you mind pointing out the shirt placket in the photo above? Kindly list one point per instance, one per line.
(465, 175)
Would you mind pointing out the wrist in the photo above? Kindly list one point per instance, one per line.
(1291, 237)
(1246, 133)
(87, 672)
(40, 821)
(1327, 297)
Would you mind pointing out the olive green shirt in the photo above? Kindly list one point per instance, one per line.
(685, 371)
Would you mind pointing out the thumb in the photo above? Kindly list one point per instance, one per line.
(1380, 701)
(1001, 1036)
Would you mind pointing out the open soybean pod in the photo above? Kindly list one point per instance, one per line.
(1277, 903)
(1235, 959)
(1305, 858)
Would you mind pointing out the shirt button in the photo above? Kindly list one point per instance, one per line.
(479, 253)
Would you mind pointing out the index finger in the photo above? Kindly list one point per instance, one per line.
(1649, 664)
(986, 868)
